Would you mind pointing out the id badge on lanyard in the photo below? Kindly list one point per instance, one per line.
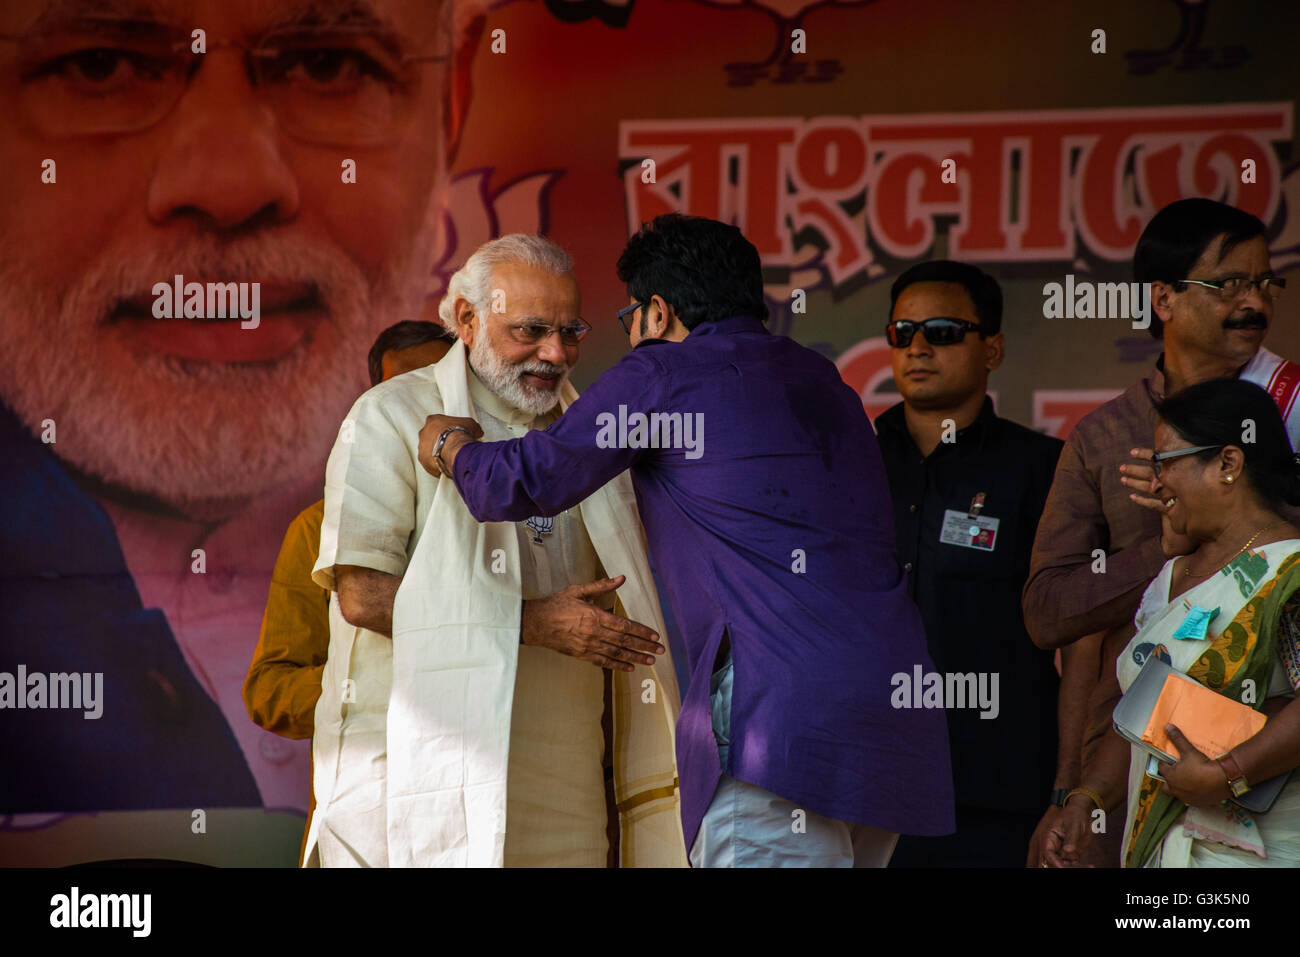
(969, 530)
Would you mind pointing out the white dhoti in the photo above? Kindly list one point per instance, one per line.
(555, 792)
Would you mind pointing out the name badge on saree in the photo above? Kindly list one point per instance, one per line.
(1196, 625)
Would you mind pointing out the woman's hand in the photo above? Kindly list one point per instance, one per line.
(1173, 543)
(1196, 780)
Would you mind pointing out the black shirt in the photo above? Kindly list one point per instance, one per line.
(970, 597)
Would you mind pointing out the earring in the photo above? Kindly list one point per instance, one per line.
(1228, 479)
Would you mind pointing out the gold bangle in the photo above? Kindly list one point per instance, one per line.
(1090, 794)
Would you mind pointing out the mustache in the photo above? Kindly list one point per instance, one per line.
(543, 367)
(124, 278)
(1251, 320)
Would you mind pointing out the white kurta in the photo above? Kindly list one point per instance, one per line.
(455, 653)
(349, 756)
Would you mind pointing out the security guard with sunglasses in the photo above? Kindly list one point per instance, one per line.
(968, 488)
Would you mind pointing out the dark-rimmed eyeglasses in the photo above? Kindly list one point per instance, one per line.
(626, 311)
(531, 333)
(938, 331)
(338, 85)
(1159, 457)
(1238, 287)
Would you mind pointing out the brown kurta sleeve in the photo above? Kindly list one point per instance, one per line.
(1064, 598)
(283, 682)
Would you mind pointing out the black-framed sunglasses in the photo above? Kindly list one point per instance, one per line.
(938, 331)
(1159, 457)
(627, 311)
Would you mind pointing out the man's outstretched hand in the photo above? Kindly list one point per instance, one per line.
(567, 622)
(433, 427)
(1140, 477)
(1069, 835)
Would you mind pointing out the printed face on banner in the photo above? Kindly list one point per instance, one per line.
(308, 186)
(209, 211)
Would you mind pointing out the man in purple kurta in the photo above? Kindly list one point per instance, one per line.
(768, 518)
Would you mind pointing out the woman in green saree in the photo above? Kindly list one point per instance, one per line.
(1226, 612)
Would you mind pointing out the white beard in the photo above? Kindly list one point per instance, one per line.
(503, 379)
(196, 435)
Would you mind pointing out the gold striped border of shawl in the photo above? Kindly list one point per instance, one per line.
(645, 797)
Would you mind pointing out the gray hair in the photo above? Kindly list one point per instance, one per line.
(473, 280)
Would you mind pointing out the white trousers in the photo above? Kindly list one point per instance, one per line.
(747, 826)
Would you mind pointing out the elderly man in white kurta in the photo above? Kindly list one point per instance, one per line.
(473, 735)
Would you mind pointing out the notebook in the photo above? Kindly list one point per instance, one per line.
(1212, 722)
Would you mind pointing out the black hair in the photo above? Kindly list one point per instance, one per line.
(984, 291)
(704, 269)
(1217, 412)
(402, 335)
(1179, 235)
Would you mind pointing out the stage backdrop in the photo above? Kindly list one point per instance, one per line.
(848, 140)
(832, 160)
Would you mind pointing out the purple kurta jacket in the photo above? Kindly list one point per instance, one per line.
(771, 520)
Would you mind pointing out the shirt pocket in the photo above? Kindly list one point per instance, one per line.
(1001, 564)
